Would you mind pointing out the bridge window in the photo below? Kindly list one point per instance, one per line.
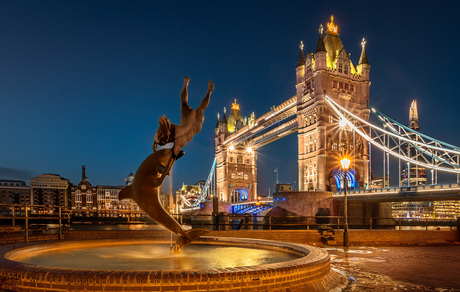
(314, 172)
(334, 146)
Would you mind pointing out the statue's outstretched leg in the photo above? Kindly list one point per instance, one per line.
(205, 102)
(185, 108)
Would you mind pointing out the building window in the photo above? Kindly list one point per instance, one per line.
(340, 68)
(345, 71)
(352, 88)
(89, 197)
(78, 196)
(334, 84)
(346, 86)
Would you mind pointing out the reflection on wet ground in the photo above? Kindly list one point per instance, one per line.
(398, 268)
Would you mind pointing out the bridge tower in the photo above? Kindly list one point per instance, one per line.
(321, 142)
(236, 170)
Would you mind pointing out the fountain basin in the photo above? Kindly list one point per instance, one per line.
(307, 270)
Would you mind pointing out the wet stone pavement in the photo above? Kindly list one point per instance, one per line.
(382, 269)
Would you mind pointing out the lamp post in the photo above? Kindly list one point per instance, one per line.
(345, 164)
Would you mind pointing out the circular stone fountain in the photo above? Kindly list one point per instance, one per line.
(210, 264)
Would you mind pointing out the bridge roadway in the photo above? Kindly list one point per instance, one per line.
(276, 117)
(440, 192)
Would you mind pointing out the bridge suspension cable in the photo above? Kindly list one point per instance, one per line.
(398, 140)
(207, 189)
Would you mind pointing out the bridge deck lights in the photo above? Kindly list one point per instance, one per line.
(342, 123)
(345, 162)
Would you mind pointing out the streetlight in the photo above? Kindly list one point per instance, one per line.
(345, 164)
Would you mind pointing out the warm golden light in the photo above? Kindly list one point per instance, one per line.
(249, 149)
(332, 28)
(231, 148)
(345, 163)
(342, 123)
(235, 106)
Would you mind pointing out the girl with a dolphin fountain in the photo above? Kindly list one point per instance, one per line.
(145, 189)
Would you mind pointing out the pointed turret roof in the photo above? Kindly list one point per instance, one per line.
(320, 46)
(363, 59)
(218, 121)
(301, 60)
(224, 117)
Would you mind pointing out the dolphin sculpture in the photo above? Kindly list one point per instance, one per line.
(144, 192)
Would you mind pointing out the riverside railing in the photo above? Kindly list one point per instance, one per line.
(253, 222)
(24, 219)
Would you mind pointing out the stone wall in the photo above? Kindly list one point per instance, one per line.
(304, 203)
(357, 237)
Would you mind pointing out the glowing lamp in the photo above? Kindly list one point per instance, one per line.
(345, 163)
(342, 123)
(231, 148)
(249, 149)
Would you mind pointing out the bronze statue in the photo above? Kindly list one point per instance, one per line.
(145, 189)
(191, 122)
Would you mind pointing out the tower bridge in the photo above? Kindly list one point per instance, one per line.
(330, 113)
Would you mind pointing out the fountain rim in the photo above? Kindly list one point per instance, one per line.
(307, 254)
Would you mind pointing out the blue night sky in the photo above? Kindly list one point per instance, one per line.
(84, 82)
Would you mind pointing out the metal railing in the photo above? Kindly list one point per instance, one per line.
(403, 189)
(24, 219)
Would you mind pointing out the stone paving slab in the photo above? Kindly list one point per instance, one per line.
(398, 268)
